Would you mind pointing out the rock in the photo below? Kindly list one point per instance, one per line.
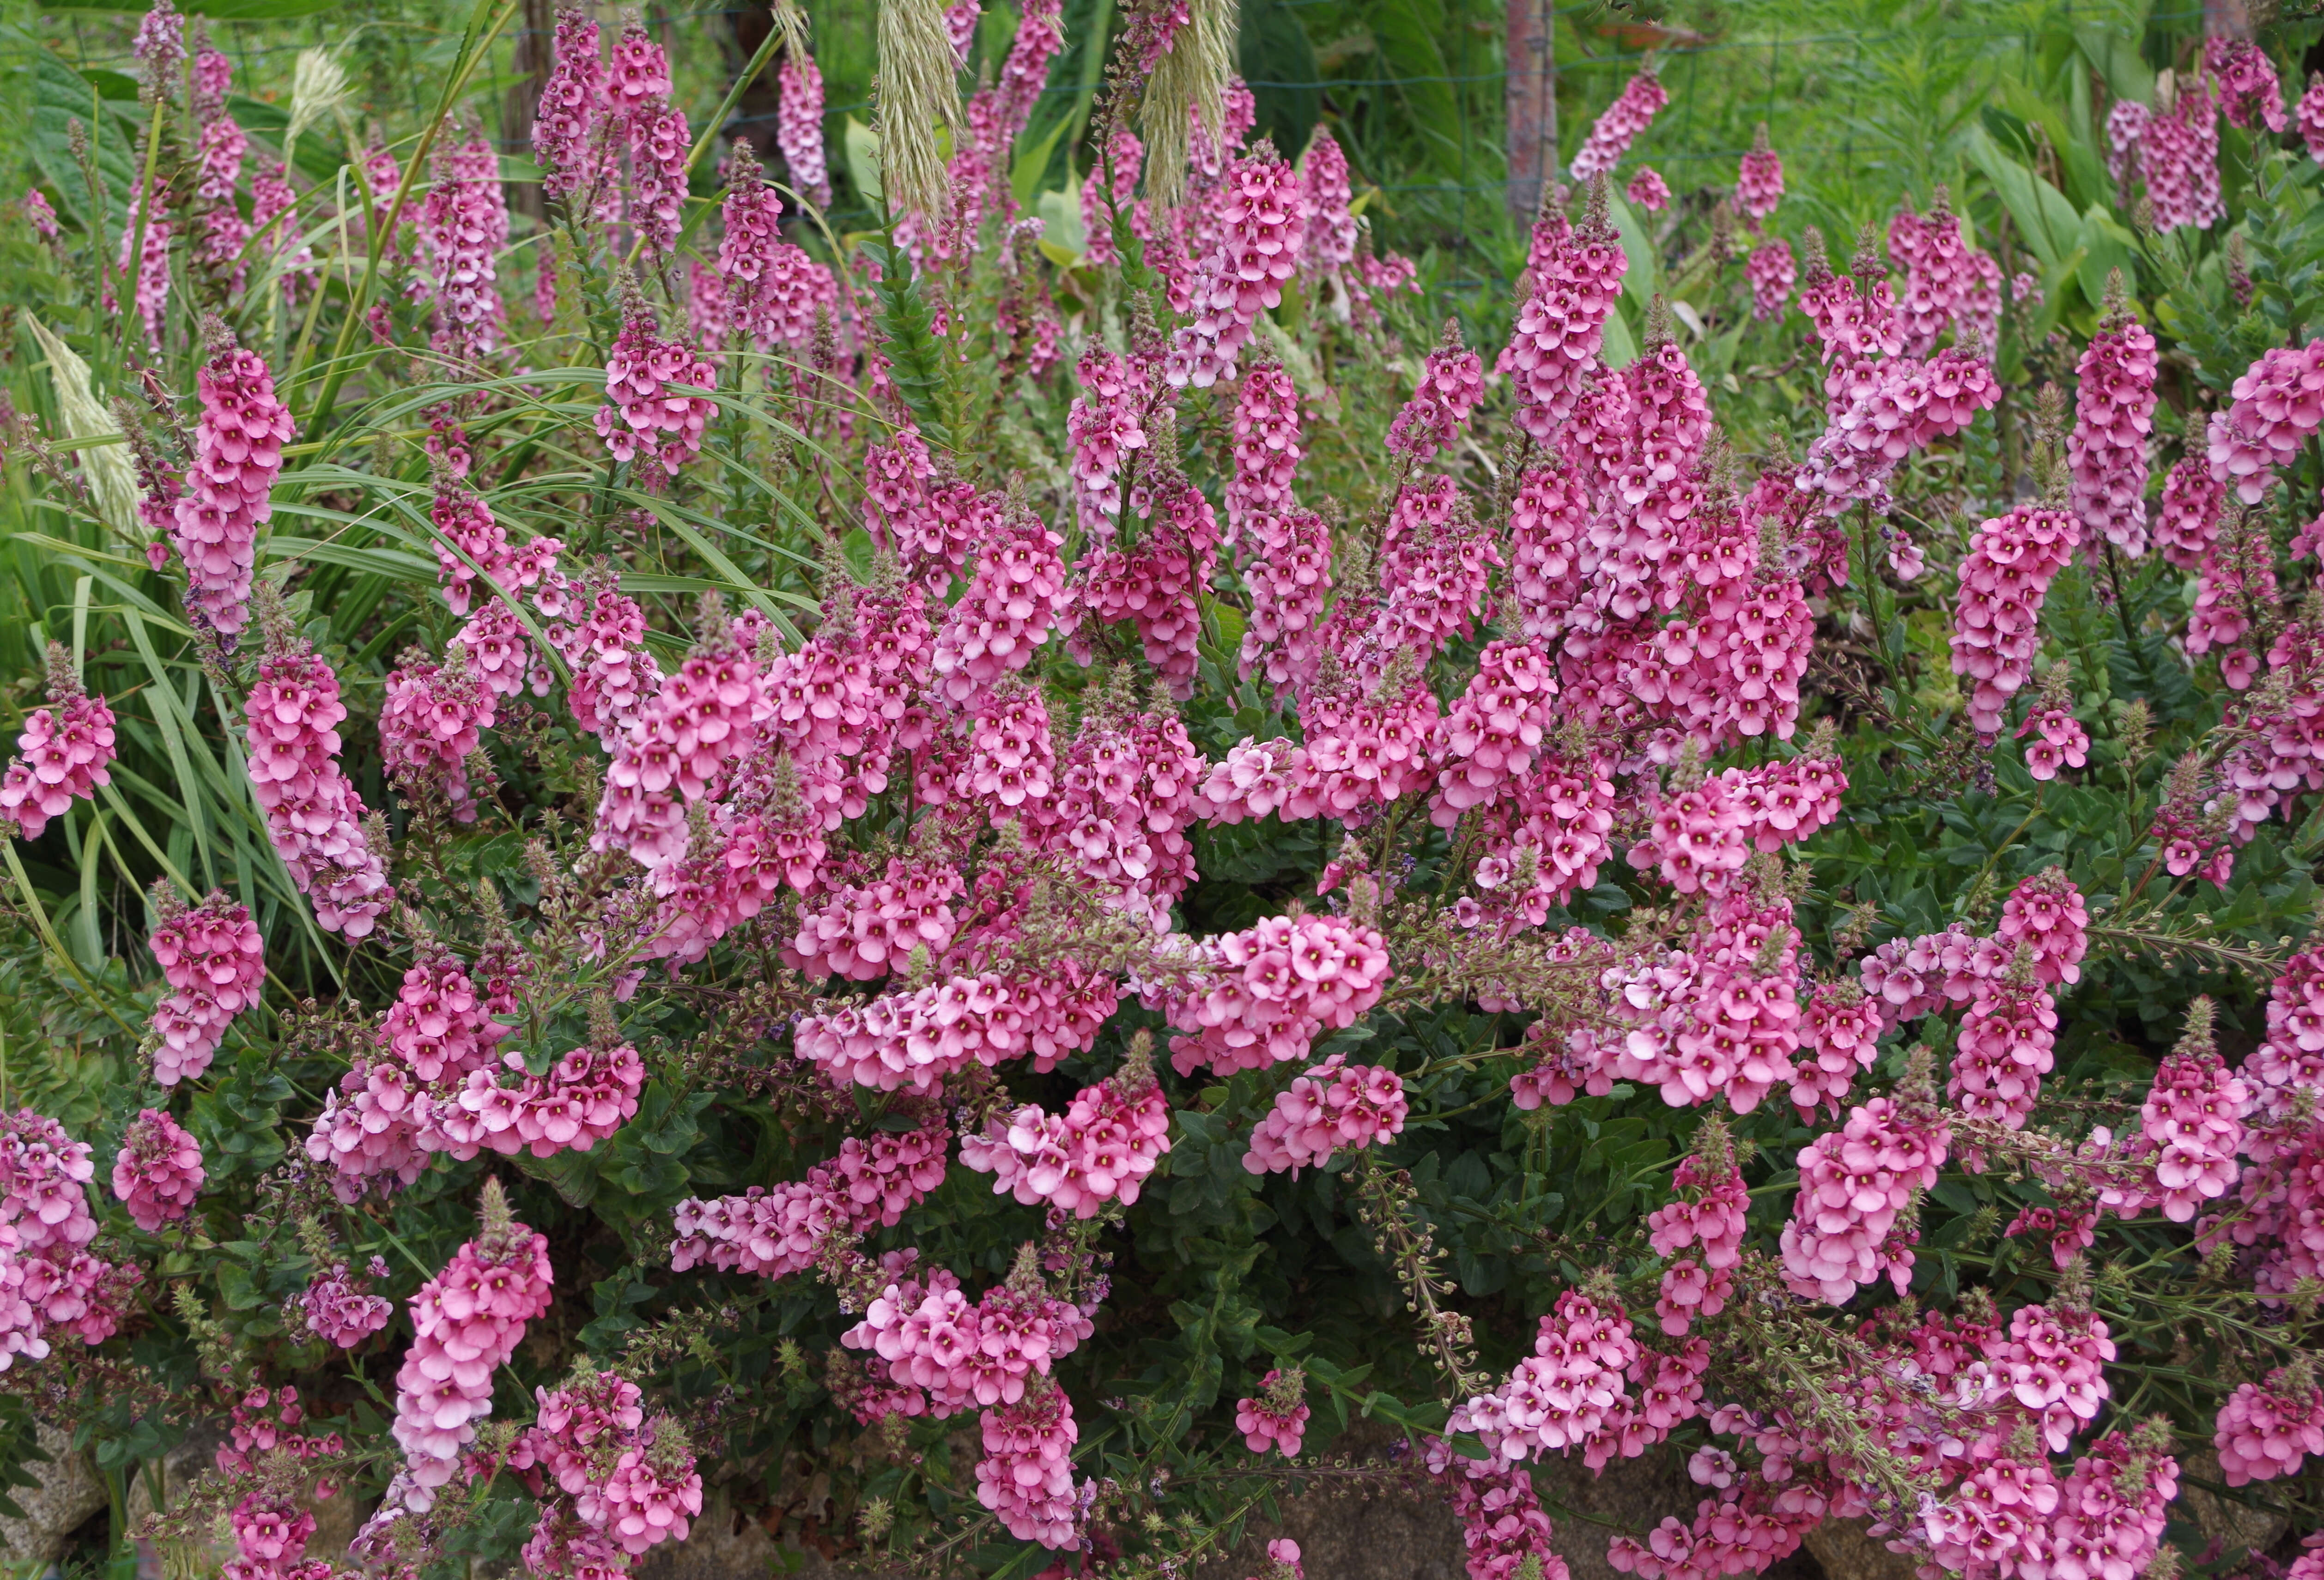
(1847, 1548)
(1360, 1533)
(2229, 1523)
(70, 1491)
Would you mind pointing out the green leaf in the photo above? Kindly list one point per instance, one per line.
(1408, 32)
(863, 145)
(2047, 223)
(2106, 246)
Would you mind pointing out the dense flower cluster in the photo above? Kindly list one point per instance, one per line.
(1760, 179)
(341, 1310)
(798, 124)
(1276, 1418)
(1100, 1149)
(1610, 135)
(778, 1232)
(313, 814)
(2279, 402)
(465, 1323)
(238, 443)
(1330, 1108)
(645, 418)
(64, 753)
(159, 1170)
(1996, 625)
(2114, 411)
(629, 1482)
(1261, 217)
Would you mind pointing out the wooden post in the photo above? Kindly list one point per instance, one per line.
(535, 46)
(1531, 100)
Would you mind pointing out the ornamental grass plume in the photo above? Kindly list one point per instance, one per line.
(918, 93)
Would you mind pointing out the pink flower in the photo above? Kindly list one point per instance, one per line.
(1275, 1419)
(1996, 624)
(2114, 409)
(798, 124)
(2264, 1432)
(1760, 181)
(1332, 1107)
(1769, 270)
(1648, 191)
(313, 814)
(341, 1310)
(159, 1170)
(1610, 136)
(64, 753)
(238, 443)
(465, 1323)
(464, 224)
(643, 419)
(1452, 382)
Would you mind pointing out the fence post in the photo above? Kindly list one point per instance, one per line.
(1530, 99)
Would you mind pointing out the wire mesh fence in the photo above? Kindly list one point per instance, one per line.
(1413, 89)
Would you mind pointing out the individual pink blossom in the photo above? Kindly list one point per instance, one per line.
(1611, 135)
(1648, 191)
(238, 443)
(1759, 179)
(159, 1170)
(1276, 1419)
(64, 753)
(214, 961)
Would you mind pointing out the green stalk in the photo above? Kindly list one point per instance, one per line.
(472, 51)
